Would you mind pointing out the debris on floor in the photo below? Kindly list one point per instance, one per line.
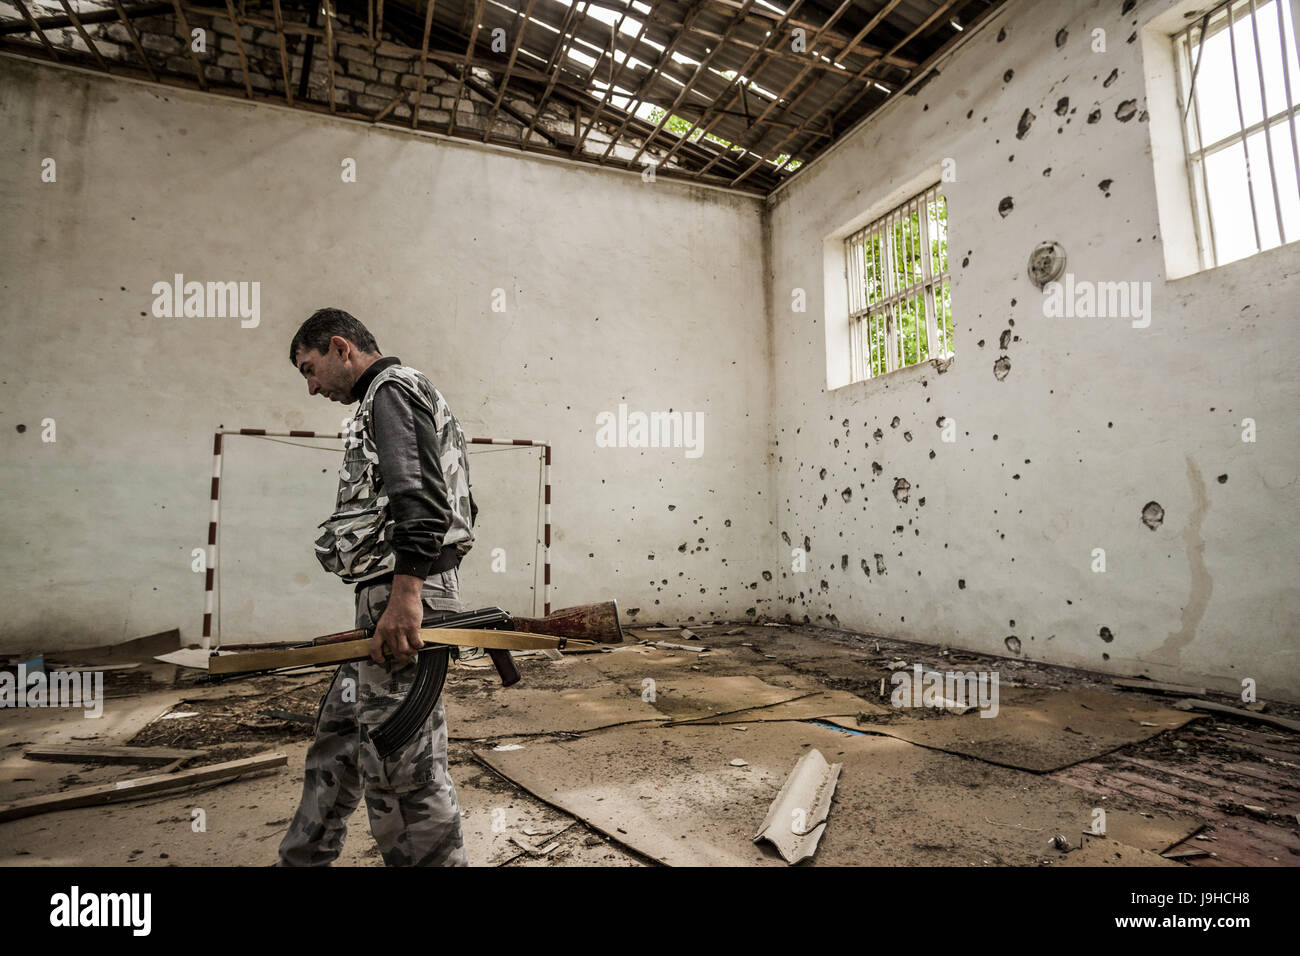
(797, 818)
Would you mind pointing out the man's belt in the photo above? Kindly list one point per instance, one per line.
(490, 628)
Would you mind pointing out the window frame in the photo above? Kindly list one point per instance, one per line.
(1186, 52)
(872, 320)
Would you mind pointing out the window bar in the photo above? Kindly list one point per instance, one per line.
(1268, 127)
(927, 266)
(906, 278)
(886, 284)
(941, 306)
(864, 341)
(1203, 182)
(909, 281)
(854, 294)
(912, 242)
(1241, 117)
(878, 354)
(1200, 180)
(848, 294)
(1187, 91)
(1290, 103)
(894, 274)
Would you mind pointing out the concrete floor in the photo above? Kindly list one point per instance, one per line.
(1242, 780)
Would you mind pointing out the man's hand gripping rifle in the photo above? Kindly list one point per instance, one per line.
(490, 628)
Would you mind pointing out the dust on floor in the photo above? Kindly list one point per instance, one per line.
(1175, 770)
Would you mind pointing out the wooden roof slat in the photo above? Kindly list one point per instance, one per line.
(948, 5)
(743, 78)
(135, 39)
(505, 79)
(664, 57)
(424, 64)
(723, 66)
(465, 67)
(613, 80)
(40, 34)
(700, 70)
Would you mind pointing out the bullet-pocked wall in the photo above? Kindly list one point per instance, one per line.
(1076, 440)
(540, 297)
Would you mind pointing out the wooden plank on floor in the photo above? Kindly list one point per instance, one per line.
(1247, 715)
(1238, 840)
(140, 786)
(81, 753)
(1219, 783)
(1156, 687)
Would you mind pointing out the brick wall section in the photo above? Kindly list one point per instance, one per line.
(365, 81)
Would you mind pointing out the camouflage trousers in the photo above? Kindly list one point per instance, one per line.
(410, 798)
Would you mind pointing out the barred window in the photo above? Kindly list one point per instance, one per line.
(1239, 88)
(900, 301)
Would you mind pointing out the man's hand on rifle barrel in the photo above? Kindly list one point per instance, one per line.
(398, 632)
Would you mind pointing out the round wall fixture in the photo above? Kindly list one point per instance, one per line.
(1046, 263)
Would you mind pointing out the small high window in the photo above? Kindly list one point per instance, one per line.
(899, 288)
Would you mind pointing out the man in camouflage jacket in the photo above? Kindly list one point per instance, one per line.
(403, 520)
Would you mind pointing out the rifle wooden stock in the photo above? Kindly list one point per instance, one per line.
(587, 624)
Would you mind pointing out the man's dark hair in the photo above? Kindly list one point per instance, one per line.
(323, 325)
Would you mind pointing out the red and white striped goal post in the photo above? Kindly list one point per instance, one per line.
(215, 515)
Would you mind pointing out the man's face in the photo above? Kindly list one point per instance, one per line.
(329, 374)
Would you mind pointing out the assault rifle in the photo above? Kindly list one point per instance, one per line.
(490, 628)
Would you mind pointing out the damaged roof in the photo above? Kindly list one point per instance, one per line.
(734, 93)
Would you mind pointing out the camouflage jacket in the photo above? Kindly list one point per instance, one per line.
(356, 542)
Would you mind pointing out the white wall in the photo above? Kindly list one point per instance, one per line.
(1096, 418)
(617, 291)
(649, 294)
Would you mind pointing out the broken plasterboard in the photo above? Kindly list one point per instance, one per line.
(797, 818)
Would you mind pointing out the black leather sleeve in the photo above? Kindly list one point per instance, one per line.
(412, 478)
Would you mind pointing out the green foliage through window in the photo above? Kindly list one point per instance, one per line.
(900, 296)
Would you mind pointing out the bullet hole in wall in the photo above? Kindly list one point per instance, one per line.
(901, 488)
(1026, 121)
(21, 429)
(1002, 368)
(1062, 106)
(1006, 206)
(1062, 35)
(1126, 111)
(1153, 516)
(1013, 644)
(1106, 635)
